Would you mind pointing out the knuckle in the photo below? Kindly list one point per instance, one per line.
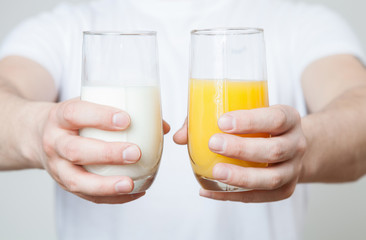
(276, 153)
(275, 181)
(297, 168)
(52, 114)
(279, 119)
(47, 146)
(72, 186)
(48, 140)
(69, 112)
(71, 152)
(54, 172)
(302, 145)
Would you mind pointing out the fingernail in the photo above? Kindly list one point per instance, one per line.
(123, 187)
(216, 143)
(226, 122)
(131, 154)
(221, 172)
(120, 120)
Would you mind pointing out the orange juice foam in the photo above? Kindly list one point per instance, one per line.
(208, 100)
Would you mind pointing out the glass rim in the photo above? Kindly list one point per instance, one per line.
(227, 31)
(120, 33)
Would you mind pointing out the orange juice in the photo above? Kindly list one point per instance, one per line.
(208, 100)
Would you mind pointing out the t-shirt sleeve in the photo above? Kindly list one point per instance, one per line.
(40, 39)
(319, 32)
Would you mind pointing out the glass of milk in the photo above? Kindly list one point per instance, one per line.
(120, 69)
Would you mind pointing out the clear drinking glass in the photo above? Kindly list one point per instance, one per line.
(121, 70)
(227, 73)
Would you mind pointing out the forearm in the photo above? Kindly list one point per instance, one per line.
(20, 131)
(336, 138)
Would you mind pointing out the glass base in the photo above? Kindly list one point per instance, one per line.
(142, 184)
(216, 186)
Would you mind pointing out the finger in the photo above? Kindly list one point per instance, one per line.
(166, 127)
(78, 181)
(265, 150)
(76, 114)
(181, 136)
(258, 196)
(122, 198)
(113, 200)
(274, 120)
(269, 178)
(87, 151)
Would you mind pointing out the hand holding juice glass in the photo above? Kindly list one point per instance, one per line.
(228, 73)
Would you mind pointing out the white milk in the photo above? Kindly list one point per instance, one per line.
(143, 106)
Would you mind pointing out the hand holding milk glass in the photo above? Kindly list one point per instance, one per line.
(120, 70)
(228, 73)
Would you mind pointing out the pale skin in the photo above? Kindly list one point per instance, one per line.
(328, 145)
(325, 146)
(38, 133)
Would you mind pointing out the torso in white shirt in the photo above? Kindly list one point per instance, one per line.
(172, 208)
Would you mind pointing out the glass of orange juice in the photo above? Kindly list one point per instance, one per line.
(227, 73)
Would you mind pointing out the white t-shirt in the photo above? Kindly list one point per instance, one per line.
(296, 34)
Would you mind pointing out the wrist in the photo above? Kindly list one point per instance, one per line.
(309, 164)
(32, 118)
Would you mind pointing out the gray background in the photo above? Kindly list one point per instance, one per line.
(335, 212)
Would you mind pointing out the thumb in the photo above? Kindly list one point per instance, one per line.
(181, 136)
